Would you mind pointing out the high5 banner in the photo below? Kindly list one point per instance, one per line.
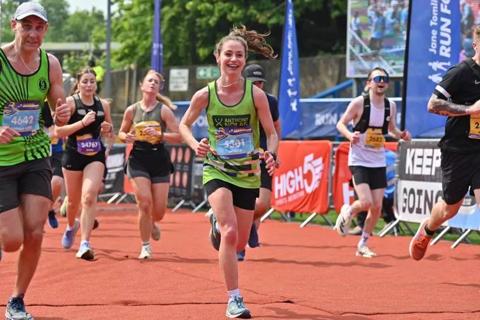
(433, 45)
(300, 184)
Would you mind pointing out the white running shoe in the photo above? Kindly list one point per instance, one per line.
(365, 252)
(145, 253)
(343, 221)
(85, 252)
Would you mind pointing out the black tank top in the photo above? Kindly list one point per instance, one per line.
(92, 129)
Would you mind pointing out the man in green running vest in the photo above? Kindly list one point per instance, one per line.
(28, 76)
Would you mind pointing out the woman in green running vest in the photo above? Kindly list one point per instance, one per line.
(231, 174)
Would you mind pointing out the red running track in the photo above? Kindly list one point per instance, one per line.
(309, 273)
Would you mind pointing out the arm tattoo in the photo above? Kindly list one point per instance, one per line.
(447, 108)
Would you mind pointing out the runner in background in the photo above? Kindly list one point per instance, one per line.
(83, 160)
(56, 147)
(28, 76)
(231, 172)
(373, 116)
(256, 74)
(149, 124)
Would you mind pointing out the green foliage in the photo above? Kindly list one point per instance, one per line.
(57, 12)
(75, 61)
(85, 26)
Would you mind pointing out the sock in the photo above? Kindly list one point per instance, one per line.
(217, 227)
(84, 242)
(51, 211)
(233, 293)
(146, 243)
(363, 239)
(69, 228)
(429, 232)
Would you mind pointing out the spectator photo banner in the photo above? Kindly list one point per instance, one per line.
(376, 36)
(300, 184)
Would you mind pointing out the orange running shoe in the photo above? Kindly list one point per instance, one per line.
(419, 243)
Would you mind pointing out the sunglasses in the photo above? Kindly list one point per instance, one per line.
(378, 79)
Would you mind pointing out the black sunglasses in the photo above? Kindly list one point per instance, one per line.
(378, 79)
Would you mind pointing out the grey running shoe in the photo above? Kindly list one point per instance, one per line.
(16, 310)
(365, 252)
(236, 309)
(85, 252)
(69, 236)
(215, 236)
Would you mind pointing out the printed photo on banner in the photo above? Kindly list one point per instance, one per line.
(376, 36)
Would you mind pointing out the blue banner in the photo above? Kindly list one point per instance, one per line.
(289, 91)
(157, 44)
(434, 43)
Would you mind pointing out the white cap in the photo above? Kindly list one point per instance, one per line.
(30, 9)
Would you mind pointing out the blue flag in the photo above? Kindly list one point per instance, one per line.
(157, 45)
(289, 92)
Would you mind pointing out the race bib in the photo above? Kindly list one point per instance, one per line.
(474, 132)
(140, 134)
(374, 138)
(22, 117)
(87, 145)
(231, 145)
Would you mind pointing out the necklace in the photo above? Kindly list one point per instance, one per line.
(229, 84)
(25, 65)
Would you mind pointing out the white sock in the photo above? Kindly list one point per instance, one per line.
(146, 244)
(363, 239)
(84, 242)
(233, 293)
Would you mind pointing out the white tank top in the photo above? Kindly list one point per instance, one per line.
(362, 155)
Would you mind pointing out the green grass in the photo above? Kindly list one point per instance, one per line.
(473, 237)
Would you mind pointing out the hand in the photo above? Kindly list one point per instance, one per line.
(271, 162)
(106, 127)
(130, 137)
(355, 137)
(7, 134)
(152, 132)
(62, 112)
(203, 148)
(405, 135)
(88, 119)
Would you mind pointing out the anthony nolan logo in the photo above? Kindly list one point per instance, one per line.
(42, 84)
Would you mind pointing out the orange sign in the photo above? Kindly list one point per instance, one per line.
(300, 184)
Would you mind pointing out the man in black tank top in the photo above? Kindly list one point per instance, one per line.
(457, 96)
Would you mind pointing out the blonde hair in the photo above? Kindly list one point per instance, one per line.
(161, 98)
(250, 39)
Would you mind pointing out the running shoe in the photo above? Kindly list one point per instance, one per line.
(241, 255)
(253, 237)
(16, 310)
(63, 207)
(236, 309)
(343, 221)
(365, 252)
(215, 236)
(155, 232)
(69, 236)
(96, 224)
(52, 219)
(85, 252)
(419, 243)
(145, 253)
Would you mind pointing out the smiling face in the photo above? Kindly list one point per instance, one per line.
(378, 82)
(29, 32)
(231, 58)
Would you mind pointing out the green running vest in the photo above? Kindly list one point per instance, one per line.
(233, 132)
(21, 103)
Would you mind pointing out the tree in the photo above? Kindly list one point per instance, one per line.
(57, 12)
(85, 26)
(191, 28)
